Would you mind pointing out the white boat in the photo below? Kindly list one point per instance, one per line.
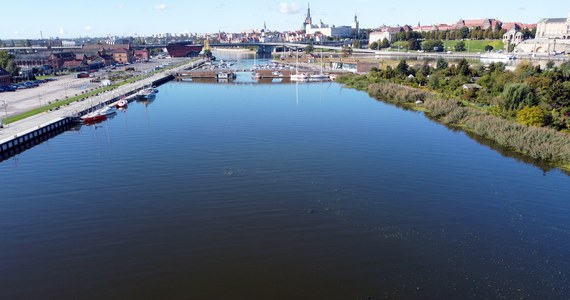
(299, 77)
(122, 103)
(319, 77)
(491, 56)
(225, 75)
(146, 93)
(99, 115)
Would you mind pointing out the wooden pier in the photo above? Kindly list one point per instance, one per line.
(206, 74)
(231, 74)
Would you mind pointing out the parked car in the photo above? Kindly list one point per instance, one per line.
(9, 88)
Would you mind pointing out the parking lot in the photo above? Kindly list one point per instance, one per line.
(21, 100)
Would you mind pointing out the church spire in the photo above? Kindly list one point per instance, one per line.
(308, 20)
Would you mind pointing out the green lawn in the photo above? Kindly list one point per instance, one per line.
(44, 77)
(476, 45)
(471, 45)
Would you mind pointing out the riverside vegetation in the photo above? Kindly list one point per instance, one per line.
(526, 110)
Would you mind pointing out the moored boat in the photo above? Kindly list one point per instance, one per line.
(99, 115)
(122, 103)
(146, 93)
(299, 77)
(319, 77)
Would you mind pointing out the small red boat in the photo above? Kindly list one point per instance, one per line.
(98, 115)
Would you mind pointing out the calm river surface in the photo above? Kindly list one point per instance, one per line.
(278, 191)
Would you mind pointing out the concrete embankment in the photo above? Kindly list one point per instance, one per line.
(24, 134)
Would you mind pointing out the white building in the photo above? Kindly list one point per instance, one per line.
(384, 33)
(513, 37)
(330, 31)
(552, 37)
(553, 28)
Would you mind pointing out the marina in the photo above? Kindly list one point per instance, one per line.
(21, 135)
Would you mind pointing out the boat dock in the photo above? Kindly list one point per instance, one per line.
(21, 135)
(231, 74)
(206, 74)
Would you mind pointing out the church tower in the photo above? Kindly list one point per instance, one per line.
(356, 27)
(308, 20)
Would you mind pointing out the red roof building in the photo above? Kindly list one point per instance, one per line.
(142, 55)
(484, 24)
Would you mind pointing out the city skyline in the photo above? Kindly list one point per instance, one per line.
(141, 18)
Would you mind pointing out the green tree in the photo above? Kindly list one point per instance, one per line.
(550, 64)
(402, 68)
(441, 64)
(425, 69)
(434, 82)
(518, 95)
(389, 73)
(463, 67)
(557, 95)
(432, 46)
(12, 68)
(460, 46)
(385, 43)
(463, 33)
(532, 115)
(374, 46)
(7, 63)
(414, 44)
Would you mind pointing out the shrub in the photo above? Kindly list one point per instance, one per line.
(531, 115)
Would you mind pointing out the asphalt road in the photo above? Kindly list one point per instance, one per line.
(12, 103)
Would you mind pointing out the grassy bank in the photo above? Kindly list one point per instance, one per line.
(472, 46)
(541, 143)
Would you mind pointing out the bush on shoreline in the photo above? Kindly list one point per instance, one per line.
(537, 142)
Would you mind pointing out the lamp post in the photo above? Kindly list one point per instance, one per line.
(5, 105)
(5, 113)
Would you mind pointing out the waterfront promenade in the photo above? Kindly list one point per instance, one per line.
(18, 128)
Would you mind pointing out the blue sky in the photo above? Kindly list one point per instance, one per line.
(66, 19)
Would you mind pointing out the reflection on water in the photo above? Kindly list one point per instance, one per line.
(289, 191)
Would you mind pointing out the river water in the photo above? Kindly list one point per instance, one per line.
(278, 191)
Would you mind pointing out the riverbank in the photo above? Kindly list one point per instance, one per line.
(23, 131)
(545, 144)
(70, 89)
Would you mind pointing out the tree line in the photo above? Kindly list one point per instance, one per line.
(530, 94)
(7, 63)
(415, 38)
